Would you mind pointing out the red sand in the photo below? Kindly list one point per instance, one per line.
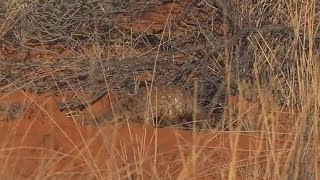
(44, 143)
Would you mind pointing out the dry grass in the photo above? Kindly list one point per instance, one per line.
(266, 52)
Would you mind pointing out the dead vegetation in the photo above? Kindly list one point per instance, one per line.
(265, 53)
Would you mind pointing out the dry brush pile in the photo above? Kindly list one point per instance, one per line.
(230, 48)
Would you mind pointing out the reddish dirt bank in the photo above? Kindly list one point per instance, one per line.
(43, 143)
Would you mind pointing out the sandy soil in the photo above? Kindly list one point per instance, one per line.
(43, 143)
